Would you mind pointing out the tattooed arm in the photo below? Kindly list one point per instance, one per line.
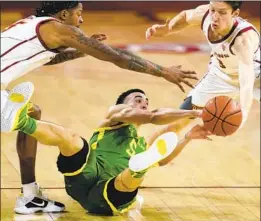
(66, 55)
(68, 36)
(71, 53)
(136, 58)
(74, 38)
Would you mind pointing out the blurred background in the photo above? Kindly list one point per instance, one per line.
(86, 87)
(78, 93)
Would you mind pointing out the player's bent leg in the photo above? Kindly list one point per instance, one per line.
(80, 173)
(105, 199)
(75, 163)
(51, 134)
(161, 148)
(46, 133)
(26, 149)
(128, 181)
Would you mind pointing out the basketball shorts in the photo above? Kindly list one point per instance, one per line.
(83, 184)
(212, 85)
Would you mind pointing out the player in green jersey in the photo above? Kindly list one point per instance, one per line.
(104, 176)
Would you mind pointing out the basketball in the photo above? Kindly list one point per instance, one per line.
(222, 116)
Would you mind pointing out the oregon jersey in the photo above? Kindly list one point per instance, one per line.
(114, 146)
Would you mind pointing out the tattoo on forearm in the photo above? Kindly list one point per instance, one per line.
(121, 58)
(141, 65)
(65, 56)
(93, 44)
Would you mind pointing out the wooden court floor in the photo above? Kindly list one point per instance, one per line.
(210, 180)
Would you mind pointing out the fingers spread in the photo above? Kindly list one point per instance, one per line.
(187, 83)
(181, 87)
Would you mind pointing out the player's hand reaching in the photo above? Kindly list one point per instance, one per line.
(178, 76)
(198, 132)
(157, 30)
(99, 37)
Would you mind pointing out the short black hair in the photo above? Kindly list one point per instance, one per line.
(48, 8)
(122, 97)
(234, 4)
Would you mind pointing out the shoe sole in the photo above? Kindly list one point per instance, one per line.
(162, 147)
(27, 211)
(18, 98)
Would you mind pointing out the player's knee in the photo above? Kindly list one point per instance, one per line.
(187, 104)
(71, 138)
(35, 112)
(119, 198)
(69, 142)
(71, 164)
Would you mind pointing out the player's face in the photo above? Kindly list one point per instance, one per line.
(74, 16)
(222, 16)
(137, 100)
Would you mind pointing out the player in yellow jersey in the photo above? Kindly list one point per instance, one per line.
(104, 176)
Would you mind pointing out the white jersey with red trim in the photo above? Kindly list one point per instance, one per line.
(22, 48)
(223, 61)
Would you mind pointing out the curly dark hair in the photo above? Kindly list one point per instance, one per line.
(122, 97)
(48, 8)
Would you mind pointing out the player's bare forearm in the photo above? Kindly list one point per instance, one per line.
(168, 115)
(140, 64)
(182, 143)
(178, 23)
(92, 47)
(197, 132)
(175, 127)
(244, 47)
(65, 56)
(246, 88)
(157, 117)
(188, 17)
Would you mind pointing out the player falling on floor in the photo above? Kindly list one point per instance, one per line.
(42, 39)
(104, 176)
(234, 68)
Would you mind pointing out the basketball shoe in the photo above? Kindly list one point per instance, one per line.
(18, 98)
(37, 203)
(161, 148)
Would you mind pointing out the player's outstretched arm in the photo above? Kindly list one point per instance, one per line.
(244, 48)
(69, 36)
(197, 132)
(66, 55)
(182, 20)
(161, 116)
(71, 53)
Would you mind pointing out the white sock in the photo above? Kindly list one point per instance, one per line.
(30, 189)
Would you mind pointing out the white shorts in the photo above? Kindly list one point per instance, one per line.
(211, 86)
(4, 96)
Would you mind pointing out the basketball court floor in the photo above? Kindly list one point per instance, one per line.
(210, 181)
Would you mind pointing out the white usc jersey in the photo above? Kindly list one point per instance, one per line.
(22, 49)
(223, 62)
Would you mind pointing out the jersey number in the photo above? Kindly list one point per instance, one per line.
(131, 150)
